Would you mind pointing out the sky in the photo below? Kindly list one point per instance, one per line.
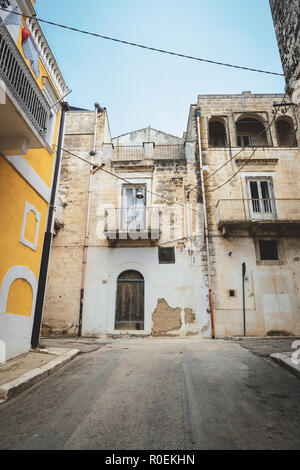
(141, 88)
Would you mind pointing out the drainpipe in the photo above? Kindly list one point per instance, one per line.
(38, 314)
(198, 114)
(87, 228)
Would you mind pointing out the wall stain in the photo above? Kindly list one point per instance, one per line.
(165, 319)
(189, 316)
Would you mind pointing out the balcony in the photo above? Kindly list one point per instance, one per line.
(254, 212)
(132, 224)
(24, 111)
(148, 151)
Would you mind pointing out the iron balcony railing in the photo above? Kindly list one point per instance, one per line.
(19, 80)
(238, 211)
(132, 222)
(158, 152)
(288, 140)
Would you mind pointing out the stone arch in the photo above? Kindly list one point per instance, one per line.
(130, 301)
(217, 132)
(251, 131)
(285, 131)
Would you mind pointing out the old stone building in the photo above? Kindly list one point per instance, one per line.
(143, 247)
(251, 157)
(286, 16)
(129, 255)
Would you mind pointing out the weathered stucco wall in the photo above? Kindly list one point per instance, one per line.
(176, 297)
(61, 311)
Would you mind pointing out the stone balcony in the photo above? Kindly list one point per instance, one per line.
(132, 225)
(254, 213)
(148, 151)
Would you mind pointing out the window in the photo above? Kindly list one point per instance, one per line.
(261, 198)
(268, 250)
(134, 207)
(232, 293)
(217, 134)
(166, 255)
(251, 133)
(286, 133)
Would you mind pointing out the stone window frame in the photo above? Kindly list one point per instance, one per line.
(219, 118)
(30, 208)
(281, 253)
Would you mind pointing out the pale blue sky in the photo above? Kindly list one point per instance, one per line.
(140, 87)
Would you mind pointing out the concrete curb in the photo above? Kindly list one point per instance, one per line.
(287, 363)
(254, 338)
(13, 388)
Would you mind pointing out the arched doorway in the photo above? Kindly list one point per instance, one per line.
(130, 301)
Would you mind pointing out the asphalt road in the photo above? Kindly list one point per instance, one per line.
(158, 395)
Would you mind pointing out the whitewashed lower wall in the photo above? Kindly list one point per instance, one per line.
(180, 285)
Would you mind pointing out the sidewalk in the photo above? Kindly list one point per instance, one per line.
(281, 350)
(22, 372)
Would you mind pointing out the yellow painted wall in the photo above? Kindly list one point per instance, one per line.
(20, 298)
(14, 192)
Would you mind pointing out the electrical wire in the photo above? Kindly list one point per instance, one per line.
(242, 150)
(128, 182)
(253, 153)
(142, 46)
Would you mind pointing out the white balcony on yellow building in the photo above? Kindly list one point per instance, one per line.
(24, 110)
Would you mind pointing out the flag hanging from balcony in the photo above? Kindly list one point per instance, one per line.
(30, 51)
(13, 18)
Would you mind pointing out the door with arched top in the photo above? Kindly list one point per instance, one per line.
(130, 301)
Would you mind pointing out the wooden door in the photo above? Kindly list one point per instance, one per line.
(130, 301)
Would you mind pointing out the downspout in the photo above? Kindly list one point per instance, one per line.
(87, 228)
(38, 314)
(206, 233)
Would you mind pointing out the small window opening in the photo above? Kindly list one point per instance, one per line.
(268, 250)
(232, 293)
(166, 255)
(217, 134)
(286, 133)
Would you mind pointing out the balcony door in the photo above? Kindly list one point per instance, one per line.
(262, 203)
(133, 207)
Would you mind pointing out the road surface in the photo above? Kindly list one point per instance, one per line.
(163, 394)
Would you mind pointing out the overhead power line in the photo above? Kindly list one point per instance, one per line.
(248, 159)
(94, 166)
(142, 46)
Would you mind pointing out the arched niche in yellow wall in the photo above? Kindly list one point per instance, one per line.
(20, 298)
